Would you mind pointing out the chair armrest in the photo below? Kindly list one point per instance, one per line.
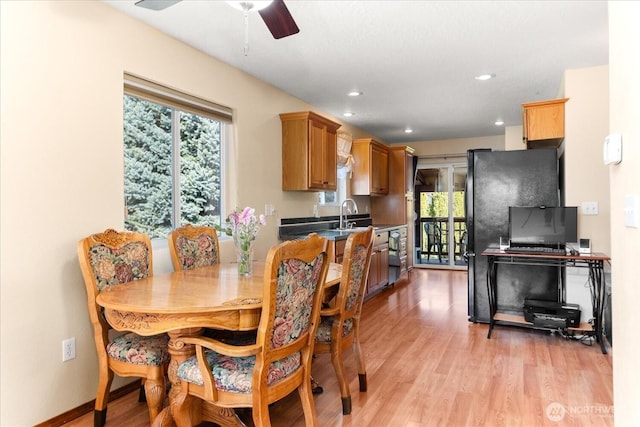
(223, 348)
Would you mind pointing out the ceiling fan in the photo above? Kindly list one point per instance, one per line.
(274, 13)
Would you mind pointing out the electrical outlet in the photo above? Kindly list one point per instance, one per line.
(68, 349)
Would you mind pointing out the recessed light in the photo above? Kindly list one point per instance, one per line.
(499, 123)
(348, 114)
(408, 130)
(354, 93)
(485, 76)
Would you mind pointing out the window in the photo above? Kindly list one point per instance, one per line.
(174, 146)
(334, 198)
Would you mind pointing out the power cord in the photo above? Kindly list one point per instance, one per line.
(584, 339)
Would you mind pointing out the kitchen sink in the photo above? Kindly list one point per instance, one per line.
(336, 232)
(352, 229)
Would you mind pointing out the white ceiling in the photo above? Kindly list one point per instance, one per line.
(414, 61)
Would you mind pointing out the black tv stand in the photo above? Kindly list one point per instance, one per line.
(594, 262)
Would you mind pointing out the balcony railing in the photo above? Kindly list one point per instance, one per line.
(434, 240)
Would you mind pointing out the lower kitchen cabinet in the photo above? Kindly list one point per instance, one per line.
(379, 268)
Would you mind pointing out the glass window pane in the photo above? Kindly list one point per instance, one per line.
(147, 167)
(157, 198)
(200, 174)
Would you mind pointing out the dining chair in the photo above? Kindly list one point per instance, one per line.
(434, 239)
(279, 360)
(112, 258)
(339, 326)
(462, 245)
(193, 246)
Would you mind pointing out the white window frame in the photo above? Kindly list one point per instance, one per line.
(182, 102)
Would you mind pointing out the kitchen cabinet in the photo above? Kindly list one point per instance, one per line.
(370, 169)
(397, 206)
(379, 268)
(309, 152)
(543, 123)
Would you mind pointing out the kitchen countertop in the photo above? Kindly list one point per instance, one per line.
(299, 228)
(335, 234)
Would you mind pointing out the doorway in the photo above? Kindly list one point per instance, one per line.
(440, 224)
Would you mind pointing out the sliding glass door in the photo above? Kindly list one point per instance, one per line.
(440, 218)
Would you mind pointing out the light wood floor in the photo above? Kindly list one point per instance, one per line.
(427, 365)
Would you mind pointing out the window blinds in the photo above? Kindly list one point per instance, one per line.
(160, 94)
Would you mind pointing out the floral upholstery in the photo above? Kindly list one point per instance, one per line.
(197, 252)
(358, 263)
(296, 286)
(297, 282)
(139, 350)
(323, 335)
(114, 266)
(234, 374)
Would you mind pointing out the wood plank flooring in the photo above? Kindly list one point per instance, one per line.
(427, 365)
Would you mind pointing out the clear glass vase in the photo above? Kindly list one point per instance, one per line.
(244, 255)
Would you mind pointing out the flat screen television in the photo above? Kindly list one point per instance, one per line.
(553, 226)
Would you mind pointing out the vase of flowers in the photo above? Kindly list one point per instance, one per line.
(243, 226)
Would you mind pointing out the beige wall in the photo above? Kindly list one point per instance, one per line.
(513, 138)
(456, 147)
(624, 111)
(586, 126)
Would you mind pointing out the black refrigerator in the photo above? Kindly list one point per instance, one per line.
(495, 181)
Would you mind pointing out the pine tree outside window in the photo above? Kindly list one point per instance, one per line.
(174, 146)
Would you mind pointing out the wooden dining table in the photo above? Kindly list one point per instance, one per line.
(182, 304)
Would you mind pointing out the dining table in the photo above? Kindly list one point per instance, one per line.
(182, 304)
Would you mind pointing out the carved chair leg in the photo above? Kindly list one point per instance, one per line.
(102, 398)
(362, 370)
(142, 397)
(308, 404)
(154, 391)
(338, 366)
(346, 405)
(99, 418)
(362, 379)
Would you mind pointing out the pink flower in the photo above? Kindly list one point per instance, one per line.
(247, 215)
(243, 224)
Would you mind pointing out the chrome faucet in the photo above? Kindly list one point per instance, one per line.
(342, 215)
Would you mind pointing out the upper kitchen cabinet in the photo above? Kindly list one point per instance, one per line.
(371, 168)
(543, 123)
(309, 152)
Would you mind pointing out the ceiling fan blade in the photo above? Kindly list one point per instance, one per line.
(278, 20)
(156, 4)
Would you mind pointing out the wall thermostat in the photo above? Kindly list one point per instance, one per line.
(613, 149)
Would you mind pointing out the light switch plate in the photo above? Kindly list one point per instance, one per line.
(589, 208)
(632, 211)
